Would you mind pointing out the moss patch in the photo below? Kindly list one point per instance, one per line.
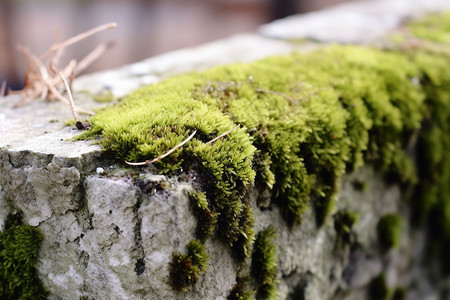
(264, 264)
(19, 246)
(184, 269)
(207, 219)
(389, 231)
(240, 291)
(343, 223)
(305, 121)
(378, 290)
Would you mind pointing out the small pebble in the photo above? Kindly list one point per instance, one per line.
(100, 170)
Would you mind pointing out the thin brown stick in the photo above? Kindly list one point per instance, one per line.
(64, 100)
(77, 38)
(90, 58)
(164, 155)
(67, 71)
(49, 82)
(222, 135)
(279, 94)
(312, 94)
(27, 54)
(72, 105)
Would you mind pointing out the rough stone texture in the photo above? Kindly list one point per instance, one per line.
(110, 235)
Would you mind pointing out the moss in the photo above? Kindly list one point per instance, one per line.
(240, 291)
(343, 223)
(104, 97)
(305, 121)
(435, 27)
(184, 269)
(399, 294)
(207, 219)
(264, 264)
(19, 246)
(359, 185)
(378, 290)
(432, 205)
(389, 231)
(70, 122)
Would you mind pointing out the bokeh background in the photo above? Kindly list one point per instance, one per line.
(146, 27)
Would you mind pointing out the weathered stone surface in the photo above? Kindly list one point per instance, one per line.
(239, 48)
(357, 22)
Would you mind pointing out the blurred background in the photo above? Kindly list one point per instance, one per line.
(146, 27)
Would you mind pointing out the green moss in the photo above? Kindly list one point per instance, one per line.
(432, 205)
(343, 223)
(359, 185)
(399, 294)
(207, 219)
(184, 269)
(264, 264)
(435, 27)
(19, 246)
(389, 231)
(70, 122)
(378, 290)
(240, 291)
(104, 97)
(305, 121)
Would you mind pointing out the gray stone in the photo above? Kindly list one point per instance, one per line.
(239, 48)
(357, 22)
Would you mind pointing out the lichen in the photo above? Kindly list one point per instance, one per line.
(184, 269)
(389, 231)
(19, 246)
(264, 264)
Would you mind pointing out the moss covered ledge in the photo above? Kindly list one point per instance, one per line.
(306, 119)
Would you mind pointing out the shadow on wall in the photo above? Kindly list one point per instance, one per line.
(146, 27)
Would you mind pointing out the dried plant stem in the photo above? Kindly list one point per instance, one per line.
(164, 155)
(77, 38)
(222, 135)
(312, 94)
(279, 94)
(72, 105)
(46, 79)
(91, 57)
(51, 83)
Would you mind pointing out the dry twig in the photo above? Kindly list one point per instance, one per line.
(47, 82)
(164, 155)
(279, 94)
(222, 135)
(312, 94)
(72, 105)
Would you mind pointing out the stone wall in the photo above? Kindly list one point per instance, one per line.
(110, 233)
